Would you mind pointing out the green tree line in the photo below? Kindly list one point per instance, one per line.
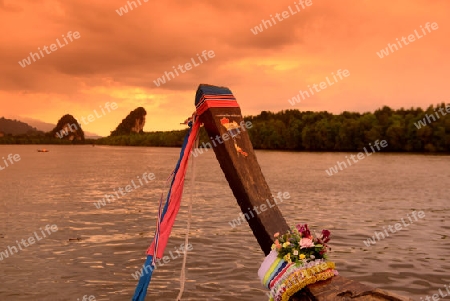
(405, 130)
(39, 139)
(322, 131)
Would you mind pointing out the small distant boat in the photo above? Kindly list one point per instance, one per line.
(42, 150)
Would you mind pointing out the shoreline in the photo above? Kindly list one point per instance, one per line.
(442, 153)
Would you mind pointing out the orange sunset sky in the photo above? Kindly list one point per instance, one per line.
(117, 58)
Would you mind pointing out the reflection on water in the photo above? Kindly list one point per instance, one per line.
(95, 251)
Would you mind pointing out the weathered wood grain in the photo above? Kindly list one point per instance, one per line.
(244, 176)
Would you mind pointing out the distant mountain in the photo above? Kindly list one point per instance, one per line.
(68, 128)
(38, 124)
(88, 135)
(15, 127)
(133, 123)
(47, 127)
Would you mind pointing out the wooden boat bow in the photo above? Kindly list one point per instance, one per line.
(243, 173)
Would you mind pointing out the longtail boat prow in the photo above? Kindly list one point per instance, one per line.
(303, 274)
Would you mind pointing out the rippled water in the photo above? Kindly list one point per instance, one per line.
(95, 251)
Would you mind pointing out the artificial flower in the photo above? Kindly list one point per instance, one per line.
(287, 258)
(325, 236)
(277, 244)
(300, 246)
(306, 243)
(303, 230)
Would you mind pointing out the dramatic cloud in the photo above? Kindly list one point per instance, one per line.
(118, 58)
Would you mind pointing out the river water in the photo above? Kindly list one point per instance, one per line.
(94, 252)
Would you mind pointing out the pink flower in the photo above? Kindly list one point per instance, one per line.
(306, 243)
(276, 234)
(277, 244)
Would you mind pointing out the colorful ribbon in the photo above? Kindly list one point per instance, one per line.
(206, 97)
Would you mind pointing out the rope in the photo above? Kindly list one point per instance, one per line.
(186, 238)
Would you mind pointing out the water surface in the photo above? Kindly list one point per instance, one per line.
(95, 251)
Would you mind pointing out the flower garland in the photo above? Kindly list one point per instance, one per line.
(297, 259)
(300, 247)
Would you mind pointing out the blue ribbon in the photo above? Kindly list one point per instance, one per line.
(141, 289)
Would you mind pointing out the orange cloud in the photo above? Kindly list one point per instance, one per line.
(117, 58)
